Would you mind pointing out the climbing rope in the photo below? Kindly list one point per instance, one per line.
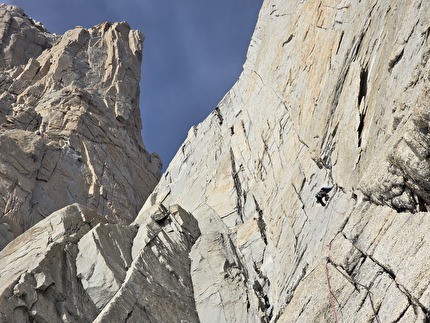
(353, 282)
(327, 261)
(340, 213)
(329, 291)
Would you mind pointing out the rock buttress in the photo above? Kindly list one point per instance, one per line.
(70, 122)
(332, 94)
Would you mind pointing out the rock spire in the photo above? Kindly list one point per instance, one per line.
(333, 98)
(69, 122)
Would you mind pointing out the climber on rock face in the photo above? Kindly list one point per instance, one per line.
(322, 196)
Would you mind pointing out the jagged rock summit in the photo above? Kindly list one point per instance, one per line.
(334, 98)
(70, 122)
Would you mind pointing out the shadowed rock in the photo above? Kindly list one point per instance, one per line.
(331, 92)
(70, 122)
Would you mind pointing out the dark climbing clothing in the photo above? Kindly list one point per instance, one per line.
(322, 196)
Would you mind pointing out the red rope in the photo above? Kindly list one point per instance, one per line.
(353, 282)
(330, 292)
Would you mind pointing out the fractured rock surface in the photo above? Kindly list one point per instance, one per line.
(38, 277)
(73, 266)
(69, 122)
(158, 286)
(333, 94)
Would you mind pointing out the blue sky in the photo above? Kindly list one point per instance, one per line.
(193, 53)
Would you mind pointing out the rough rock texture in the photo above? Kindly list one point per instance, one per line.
(38, 280)
(158, 286)
(69, 122)
(333, 93)
(73, 266)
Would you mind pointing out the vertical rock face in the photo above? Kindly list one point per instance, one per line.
(332, 94)
(69, 122)
(158, 286)
(333, 101)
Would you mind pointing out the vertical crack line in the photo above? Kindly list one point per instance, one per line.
(362, 92)
(263, 300)
(294, 284)
(260, 221)
(350, 56)
(93, 190)
(300, 197)
(219, 115)
(237, 186)
(393, 62)
(340, 42)
(360, 130)
(363, 85)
